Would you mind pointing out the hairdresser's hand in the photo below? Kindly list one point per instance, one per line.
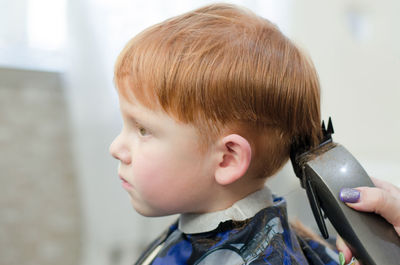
(384, 199)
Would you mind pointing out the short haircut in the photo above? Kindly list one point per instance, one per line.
(222, 66)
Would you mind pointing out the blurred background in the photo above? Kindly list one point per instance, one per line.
(60, 197)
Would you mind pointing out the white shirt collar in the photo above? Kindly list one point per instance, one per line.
(239, 211)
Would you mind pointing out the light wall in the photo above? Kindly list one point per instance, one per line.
(355, 46)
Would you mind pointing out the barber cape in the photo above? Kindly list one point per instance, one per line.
(255, 230)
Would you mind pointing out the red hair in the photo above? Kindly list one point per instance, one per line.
(221, 67)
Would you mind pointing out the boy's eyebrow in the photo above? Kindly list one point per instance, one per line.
(132, 115)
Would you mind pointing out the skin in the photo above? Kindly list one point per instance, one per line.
(384, 199)
(164, 172)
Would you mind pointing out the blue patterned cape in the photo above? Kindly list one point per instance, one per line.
(265, 238)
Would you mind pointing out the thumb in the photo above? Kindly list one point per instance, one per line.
(378, 201)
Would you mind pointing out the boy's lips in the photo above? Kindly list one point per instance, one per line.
(125, 183)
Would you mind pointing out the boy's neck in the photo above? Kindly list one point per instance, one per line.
(226, 196)
(241, 210)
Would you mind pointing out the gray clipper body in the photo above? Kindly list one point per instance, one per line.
(323, 172)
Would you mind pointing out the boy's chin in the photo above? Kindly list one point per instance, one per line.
(148, 211)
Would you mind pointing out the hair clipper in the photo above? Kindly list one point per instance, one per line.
(323, 172)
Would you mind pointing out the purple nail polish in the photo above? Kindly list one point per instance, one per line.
(349, 195)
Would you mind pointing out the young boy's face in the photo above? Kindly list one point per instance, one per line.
(161, 166)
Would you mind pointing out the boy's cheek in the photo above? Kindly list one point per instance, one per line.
(161, 164)
(158, 186)
(151, 177)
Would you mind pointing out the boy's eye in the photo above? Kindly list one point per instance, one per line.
(143, 131)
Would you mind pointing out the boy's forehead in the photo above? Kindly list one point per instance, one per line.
(131, 94)
(130, 103)
(133, 107)
(158, 121)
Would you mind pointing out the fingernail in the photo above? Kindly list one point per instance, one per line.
(349, 195)
(341, 258)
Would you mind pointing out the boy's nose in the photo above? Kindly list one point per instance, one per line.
(119, 151)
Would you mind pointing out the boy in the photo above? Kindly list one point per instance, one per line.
(211, 101)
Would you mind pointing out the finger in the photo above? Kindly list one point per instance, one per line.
(386, 186)
(342, 247)
(379, 201)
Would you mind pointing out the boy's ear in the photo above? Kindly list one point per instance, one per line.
(235, 160)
